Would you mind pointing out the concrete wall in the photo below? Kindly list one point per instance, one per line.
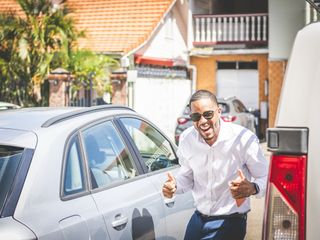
(286, 18)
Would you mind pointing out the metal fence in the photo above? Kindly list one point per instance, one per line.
(86, 102)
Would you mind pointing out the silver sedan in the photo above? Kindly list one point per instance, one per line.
(86, 173)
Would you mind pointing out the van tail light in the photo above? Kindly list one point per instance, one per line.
(182, 120)
(229, 118)
(286, 193)
(286, 197)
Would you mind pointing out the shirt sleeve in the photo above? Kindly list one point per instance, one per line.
(256, 163)
(184, 177)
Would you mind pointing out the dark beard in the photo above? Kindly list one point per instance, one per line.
(216, 129)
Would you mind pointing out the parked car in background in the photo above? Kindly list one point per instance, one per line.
(233, 110)
(87, 173)
(292, 200)
(6, 106)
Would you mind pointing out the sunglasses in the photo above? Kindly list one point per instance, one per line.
(195, 117)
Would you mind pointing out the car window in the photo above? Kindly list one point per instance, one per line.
(238, 106)
(9, 161)
(108, 159)
(224, 107)
(74, 174)
(186, 110)
(155, 150)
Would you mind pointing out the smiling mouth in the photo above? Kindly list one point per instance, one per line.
(205, 127)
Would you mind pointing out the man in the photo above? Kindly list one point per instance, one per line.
(218, 162)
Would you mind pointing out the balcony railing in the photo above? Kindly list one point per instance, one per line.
(231, 29)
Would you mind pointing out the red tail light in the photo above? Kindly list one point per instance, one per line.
(286, 198)
(229, 118)
(182, 120)
(285, 210)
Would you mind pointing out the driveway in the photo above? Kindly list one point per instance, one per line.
(255, 217)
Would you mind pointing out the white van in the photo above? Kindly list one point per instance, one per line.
(293, 196)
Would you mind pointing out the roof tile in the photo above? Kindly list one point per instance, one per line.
(117, 25)
(111, 25)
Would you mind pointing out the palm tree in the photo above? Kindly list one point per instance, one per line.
(28, 45)
(43, 39)
(88, 66)
(14, 85)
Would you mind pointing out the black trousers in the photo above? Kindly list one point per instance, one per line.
(226, 227)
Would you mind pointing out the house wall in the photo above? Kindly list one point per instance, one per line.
(286, 18)
(201, 6)
(162, 101)
(207, 67)
(276, 73)
(170, 39)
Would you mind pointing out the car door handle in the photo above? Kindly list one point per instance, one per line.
(119, 222)
(169, 202)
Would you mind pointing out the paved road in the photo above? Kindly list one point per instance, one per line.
(255, 217)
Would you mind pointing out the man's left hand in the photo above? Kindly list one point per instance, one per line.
(241, 187)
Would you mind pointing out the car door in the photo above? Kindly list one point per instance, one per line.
(157, 156)
(81, 218)
(127, 200)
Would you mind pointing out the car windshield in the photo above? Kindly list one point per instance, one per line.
(9, 161)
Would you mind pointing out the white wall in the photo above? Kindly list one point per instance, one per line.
(161, 101)
(286, 18)
(170, 39)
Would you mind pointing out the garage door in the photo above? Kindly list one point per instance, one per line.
(243, 83)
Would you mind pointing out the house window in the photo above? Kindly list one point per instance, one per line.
(169, 27)
(237, 65)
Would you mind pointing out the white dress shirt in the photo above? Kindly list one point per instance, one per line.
(208, 170)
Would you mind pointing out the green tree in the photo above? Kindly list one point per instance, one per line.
(45, 38)
(14, 78)
(88, 66)
(28, 45)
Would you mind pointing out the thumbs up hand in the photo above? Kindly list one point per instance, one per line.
(169, 187)
(241, 187)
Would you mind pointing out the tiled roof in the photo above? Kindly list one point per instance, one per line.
(117, 26)
(10, 6)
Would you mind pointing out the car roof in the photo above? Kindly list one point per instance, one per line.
(41, 117)
(10, 105)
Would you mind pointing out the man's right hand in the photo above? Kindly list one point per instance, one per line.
(169, 187)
